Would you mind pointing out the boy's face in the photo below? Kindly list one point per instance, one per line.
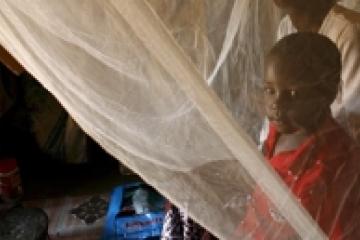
(292, 103)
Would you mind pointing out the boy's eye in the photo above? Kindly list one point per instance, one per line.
(269, 90)
(293, 93)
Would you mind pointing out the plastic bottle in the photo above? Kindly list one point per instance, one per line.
(140, 201)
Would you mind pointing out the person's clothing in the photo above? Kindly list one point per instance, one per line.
(178, 225)
(322, 173)
(7, 88)
(342, 26)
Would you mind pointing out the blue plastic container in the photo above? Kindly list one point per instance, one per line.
(123, 220)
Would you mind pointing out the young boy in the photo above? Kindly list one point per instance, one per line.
(341, 25)
(305, 146)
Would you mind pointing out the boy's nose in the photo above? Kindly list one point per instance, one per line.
(279, 101)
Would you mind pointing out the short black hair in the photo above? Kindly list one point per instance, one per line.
(309, 57)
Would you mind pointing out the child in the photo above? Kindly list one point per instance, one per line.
(305, 146)
(341, 25)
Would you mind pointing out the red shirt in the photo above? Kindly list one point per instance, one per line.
(323, 175)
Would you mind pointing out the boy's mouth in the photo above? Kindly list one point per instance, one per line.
(276, 116)
(280, 124)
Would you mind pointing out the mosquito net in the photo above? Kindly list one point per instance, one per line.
(172, 89)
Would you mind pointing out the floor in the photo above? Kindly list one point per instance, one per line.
(58, 190)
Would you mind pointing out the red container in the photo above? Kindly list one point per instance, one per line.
(10, 182)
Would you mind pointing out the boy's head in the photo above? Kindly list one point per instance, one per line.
(302, 74)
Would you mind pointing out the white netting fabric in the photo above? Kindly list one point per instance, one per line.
(167, 87)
